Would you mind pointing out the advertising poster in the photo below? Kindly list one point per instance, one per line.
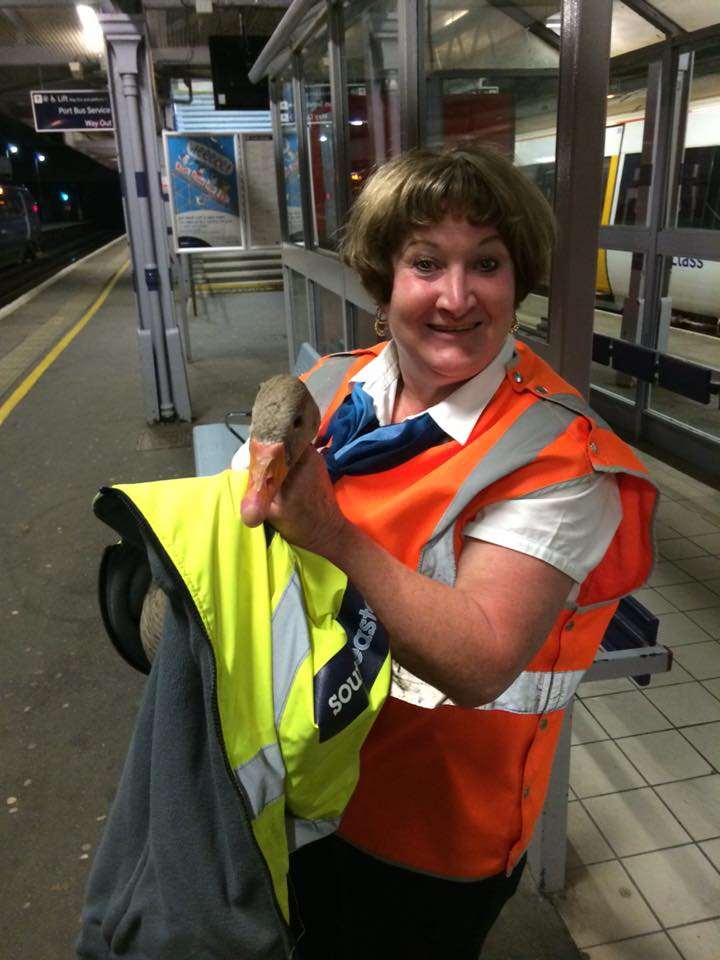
(204, 188)
(292, 182)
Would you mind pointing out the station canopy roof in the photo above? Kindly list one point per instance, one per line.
(43, 46)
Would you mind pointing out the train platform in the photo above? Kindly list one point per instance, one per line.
(644, 834)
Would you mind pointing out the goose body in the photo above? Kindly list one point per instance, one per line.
(285, 419)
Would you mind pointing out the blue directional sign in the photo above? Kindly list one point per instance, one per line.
(56, 111)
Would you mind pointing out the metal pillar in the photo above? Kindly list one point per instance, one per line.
(584, 58)
(164, 378)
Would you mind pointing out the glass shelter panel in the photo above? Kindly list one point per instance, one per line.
(617, 312)
(492, 75)
(302, 331)
(371, 54)
(320, 141)
(291, 166)
(328, 321)
(698, 198)
(690, 332)
(363, 328)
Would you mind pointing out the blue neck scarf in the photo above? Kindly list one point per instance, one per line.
(360, 445)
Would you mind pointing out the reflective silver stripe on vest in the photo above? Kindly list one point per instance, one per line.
(571, 402)
(538, 692)
(324, 382)
(263, 777)
(301, 832)
(290, 642)
(518, 446)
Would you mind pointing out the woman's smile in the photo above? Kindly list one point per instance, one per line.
(445, 330)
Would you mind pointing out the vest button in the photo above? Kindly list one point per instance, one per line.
(543, 723)
(570, 625)
(517, 378)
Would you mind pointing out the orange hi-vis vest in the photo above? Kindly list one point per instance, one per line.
(455, 791)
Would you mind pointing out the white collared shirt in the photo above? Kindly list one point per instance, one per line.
(458, 413)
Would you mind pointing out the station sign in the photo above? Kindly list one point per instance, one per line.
(57, 111)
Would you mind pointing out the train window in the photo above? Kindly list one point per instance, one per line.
(633, 179)
(699, 193)
(543, 176)
(371, 51)
(16, 205)
(698, 197)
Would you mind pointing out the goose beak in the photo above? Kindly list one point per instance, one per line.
(266, 473)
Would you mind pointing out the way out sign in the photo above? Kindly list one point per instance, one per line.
(59, 110)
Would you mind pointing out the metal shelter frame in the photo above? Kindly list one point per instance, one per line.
(584, 68)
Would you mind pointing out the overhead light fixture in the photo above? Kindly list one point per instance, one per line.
(13, 147)
(454, 16)
(92, 31)
(554, 22)
(41, 157)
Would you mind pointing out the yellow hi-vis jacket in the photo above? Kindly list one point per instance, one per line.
(300, 664)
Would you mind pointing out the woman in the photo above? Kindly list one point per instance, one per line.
(483, 513)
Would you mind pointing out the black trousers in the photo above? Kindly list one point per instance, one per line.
(346, 905)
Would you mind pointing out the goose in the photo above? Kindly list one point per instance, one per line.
(285, 420)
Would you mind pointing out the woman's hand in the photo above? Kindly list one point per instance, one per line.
(305, 511)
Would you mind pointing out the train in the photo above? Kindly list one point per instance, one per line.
(19, 225)
(694, 281)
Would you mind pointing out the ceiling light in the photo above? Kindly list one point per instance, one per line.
(13, 148)
(92, 31)
(554, 22)
(41, 157)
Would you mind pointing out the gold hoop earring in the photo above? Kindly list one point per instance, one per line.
(515, 325)
(381, 324)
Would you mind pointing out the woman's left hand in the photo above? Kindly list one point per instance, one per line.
(305, 511)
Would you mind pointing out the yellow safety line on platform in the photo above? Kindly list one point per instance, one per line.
(29, 382)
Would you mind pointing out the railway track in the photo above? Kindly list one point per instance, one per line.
(17, 280)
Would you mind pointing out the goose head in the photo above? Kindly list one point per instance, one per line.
(285, 419)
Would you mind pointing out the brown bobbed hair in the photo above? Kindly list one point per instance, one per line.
(474, 182)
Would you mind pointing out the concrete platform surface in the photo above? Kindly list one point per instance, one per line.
(67, 701)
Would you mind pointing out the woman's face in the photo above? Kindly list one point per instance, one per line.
(452, 302)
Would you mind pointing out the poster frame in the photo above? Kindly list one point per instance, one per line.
(242, 166)
(245, 245)
(167, 135)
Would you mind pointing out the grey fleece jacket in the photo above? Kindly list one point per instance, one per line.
(178, 873)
